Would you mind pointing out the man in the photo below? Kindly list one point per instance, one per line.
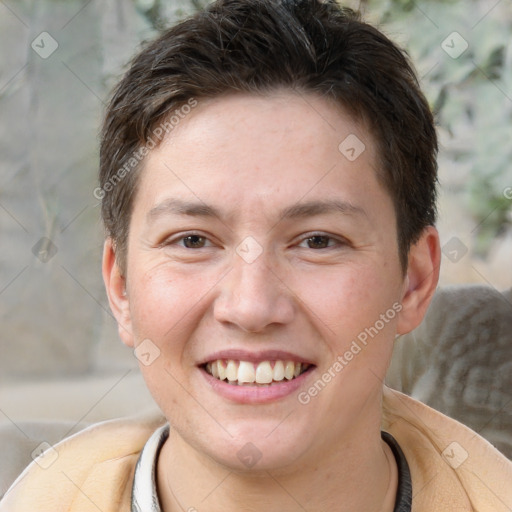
(268, 175)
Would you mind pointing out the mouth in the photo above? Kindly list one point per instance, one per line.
(256, 374)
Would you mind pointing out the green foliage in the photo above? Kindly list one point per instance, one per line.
(161, 13)
(471, 94)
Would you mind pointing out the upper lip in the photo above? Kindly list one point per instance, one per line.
(256, 356)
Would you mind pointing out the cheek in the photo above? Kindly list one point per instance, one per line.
(166, 309)
(162, 304)
(347, 300)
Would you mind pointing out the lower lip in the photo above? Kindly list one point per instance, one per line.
(247, 394)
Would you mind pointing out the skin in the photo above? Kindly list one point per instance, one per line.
(252, 157)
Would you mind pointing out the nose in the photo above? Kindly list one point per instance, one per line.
(253, 297)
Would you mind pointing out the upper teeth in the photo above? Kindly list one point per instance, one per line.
(265, 372)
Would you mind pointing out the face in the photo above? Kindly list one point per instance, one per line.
(258, 250)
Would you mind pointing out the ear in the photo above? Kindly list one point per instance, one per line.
(421, 280)
(115, 284)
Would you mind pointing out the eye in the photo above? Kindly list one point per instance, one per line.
(193, 241)
(319, 242)
(187, 241)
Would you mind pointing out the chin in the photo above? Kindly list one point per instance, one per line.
(259, 446)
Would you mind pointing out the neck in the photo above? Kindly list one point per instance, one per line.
(358, 474)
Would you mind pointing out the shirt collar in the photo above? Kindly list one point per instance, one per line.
(144, 493)
(144, 490)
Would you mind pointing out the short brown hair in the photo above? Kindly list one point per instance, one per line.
(256, 46)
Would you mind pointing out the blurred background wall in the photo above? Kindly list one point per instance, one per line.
(60, 357)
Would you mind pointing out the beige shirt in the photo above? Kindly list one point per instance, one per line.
(452, 468)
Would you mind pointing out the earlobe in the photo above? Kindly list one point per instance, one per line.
(421, 280)
(115, 285)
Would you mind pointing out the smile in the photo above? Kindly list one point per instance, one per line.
(262, 374)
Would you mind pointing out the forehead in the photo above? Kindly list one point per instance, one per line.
(252, 150)
(316, 122)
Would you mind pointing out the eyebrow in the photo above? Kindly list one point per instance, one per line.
(299, 210)
(313, 208)
(180, 207)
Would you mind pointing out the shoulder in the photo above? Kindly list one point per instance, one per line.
(452, 467)
(94, 466)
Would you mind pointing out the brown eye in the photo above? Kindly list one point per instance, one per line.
(194, 241)
(318, 241)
